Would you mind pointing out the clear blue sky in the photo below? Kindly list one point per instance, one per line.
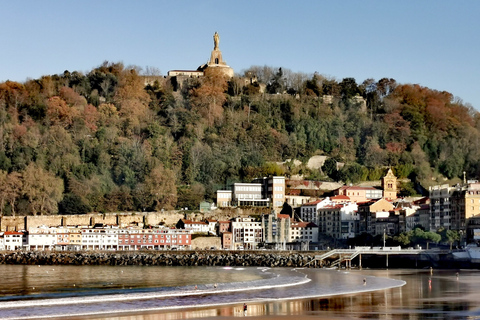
(433, 43)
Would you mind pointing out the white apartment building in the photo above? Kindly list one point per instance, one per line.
(224, 198)
(247, 233)
(41, 238)
(440, 206)
(309, 211)
(303, 232)
(12, 240)
(194, 226)
(262, 192)
(100, 238)
(249, 194)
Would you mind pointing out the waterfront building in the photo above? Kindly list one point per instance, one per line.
(12, 240)
(100, 238)
(41, 238)
(276, 229)
(465, 204)
(154, 239)
(227, 240)
(440, 206)
(62, 241)
(304, 232)
(247, 233)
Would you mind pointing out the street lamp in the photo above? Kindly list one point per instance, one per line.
(384, 238)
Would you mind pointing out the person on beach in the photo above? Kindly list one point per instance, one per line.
(195, 287)
(215, 286)
(245, 309)
(364, 281)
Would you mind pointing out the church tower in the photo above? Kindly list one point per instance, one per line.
(389, 186)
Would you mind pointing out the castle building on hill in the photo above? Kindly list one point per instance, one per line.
(216, 61)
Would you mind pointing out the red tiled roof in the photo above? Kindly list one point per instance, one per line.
(303, 224)
(12, 232)
(192, 222)
(340, 197)
(356, 188)
(336, 206)
(283, 216)
(312, 203)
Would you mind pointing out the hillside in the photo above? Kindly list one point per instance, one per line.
(105, 142)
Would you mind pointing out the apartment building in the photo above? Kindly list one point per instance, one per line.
(41, 238)
(12, 240)
(370, 211)
(440, 206)
(309, 211)
(339, 221)
(360, 194)
(276, 228)
(247, 233)
(304, 232)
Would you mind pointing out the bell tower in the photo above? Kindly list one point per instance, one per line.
(389, 186)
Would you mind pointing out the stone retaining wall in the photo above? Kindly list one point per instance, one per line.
(168, 218)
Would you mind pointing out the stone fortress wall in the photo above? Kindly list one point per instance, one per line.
(167, 218)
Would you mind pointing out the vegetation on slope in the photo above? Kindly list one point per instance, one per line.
(102, 141)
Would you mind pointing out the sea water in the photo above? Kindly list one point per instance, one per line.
(32, 292)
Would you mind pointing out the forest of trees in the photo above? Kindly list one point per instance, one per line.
(103, 141)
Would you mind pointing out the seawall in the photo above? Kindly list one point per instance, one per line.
(293, 259)
(187, 258)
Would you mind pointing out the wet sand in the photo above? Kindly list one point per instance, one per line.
(438, 295)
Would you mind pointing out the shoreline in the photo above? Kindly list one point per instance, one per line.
(256, 309)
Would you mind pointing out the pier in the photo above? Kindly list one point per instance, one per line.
(347, 255)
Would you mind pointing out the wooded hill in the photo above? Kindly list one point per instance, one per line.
(103, 141)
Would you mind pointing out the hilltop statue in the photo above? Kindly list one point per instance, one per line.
(216, 40)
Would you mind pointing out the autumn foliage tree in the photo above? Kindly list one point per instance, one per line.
(209, 97)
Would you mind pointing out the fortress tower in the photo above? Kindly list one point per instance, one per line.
(389, 186)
